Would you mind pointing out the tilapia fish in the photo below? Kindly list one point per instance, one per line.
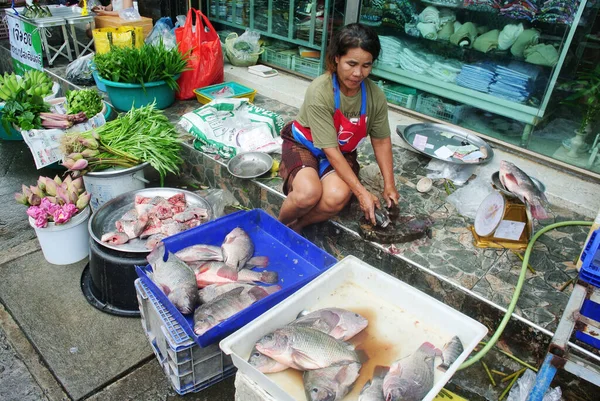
(304, 348)
(373, 389)
(237, 248)
(210, 292)
(133, 228)
(154, 240)
(263, 363)
(331, 383)
(200, 252)
(411, 378)
(224, 306)
(339, 323)
(450, 353)
(174, 278)
(518, 182)
(115, 238)
(219, 273)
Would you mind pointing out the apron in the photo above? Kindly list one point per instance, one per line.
(349, 135)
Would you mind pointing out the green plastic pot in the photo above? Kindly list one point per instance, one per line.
(124, 96)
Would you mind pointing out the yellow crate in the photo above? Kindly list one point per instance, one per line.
(240, 91)
(124, 36)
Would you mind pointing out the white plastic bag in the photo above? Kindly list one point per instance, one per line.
(457, 173)
(130, 14)
(229, 126)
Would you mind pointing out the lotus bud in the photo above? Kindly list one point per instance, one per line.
(78, 173)
(41, 183)
(90, 153)
(78, 184)
(34, 200)
(72, 192)
(50, 187)
(83, 201)
(75, 156)
(80, 164)
(62, 196)
(26, 191)
(67, 180)
(37, 191)
(57, 180)
(96, 135)
(52, 199)
(21, 198)
(90, 143)
(68, 163)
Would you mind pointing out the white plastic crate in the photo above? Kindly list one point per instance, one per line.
(400, 316)
(189, 367)
(307, 66)
(435, 107)
(277, 57)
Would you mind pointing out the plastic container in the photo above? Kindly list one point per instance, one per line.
(590, 269)
(280, 58)
(209, 93)
(435, 107)
(396, 95)
(307, 66)
(108, 184)
(124, 96)
(294, 258)
(99, 84)
(400, 318)
(63, 244)
(189, 367)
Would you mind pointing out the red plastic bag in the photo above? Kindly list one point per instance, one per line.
(205, 58)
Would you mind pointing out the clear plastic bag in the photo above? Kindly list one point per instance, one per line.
(130, 14)
(520, 391)
(79, 71)
(217, 199)
(244, 50)
(163, 30)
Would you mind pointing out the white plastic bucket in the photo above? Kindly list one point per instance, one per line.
(108, 184)
(63, 244)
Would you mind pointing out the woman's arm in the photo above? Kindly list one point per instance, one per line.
(367, 200)
(383, 154)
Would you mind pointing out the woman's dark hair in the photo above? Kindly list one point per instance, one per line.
(350, 37)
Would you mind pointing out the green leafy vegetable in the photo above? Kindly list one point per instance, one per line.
(149, 63)
(24, 111)
(86, 100)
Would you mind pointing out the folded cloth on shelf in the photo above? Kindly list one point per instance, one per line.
(541, 55)
(509, 35)
(531, 71)
(486, 42)
(527, 38)
(482, 29)
(476, 76)
(446, 15)
(465, 35)
(390, 48)
(446, 31)
(457, 25)
(412, 61)
(428, 30)
(446, 71)
(430, 15)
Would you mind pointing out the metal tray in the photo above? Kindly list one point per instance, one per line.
(433, 131)
(103, 220)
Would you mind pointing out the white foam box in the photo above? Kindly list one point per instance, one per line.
(400, 318)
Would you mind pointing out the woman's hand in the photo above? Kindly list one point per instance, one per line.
(391, 195)
(98, 8)
(368, 202)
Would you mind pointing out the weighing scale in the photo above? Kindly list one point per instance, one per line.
(262, 70)
(503, 220)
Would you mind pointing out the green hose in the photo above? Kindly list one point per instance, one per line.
(515, 297)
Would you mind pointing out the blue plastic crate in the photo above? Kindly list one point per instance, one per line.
(589, 309)
(293, 257)
(590, 269)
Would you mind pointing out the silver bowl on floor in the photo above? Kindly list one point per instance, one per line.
(250, 164)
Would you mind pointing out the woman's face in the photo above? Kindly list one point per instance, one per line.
(353, 68)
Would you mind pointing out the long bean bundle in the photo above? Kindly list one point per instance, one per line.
(141, 135)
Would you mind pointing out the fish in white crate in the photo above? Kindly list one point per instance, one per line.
(339, 323)
(263, 363)
(450, 353)
(373, 389)
(332, 383)
(176, 279)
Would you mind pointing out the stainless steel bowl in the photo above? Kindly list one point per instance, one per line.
(249, 164)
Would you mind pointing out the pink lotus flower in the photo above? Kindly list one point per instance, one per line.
(34, 211)
(48, 206)
(80, 164)
(41, 222)
(70, 209)
(61, 216)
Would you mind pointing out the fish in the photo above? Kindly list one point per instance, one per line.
(162, 209)
(130, 215)
(263, 363)
(172, 227)
(237, 248)
(115, 238)
(339, 323)
(382, 218)
(178, 202)
(331, 383)
(304, 348)
(373, 389)
(219, 273)
(153, 240)
(224, 306)
(200, 252)
(210, 292)
(153, 226)
(191, 213)
(411, 378)
(133, 228)
(450, 353)
(518, 182)
(174, 278)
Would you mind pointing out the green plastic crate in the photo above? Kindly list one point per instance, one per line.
(307, 66)
(280, 58)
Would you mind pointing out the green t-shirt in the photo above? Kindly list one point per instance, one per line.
(317, 110)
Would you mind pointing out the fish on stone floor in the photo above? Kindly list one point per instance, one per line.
(332, 383)
(450, 353)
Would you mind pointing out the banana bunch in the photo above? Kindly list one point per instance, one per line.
(37, 83)
(9, 86)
